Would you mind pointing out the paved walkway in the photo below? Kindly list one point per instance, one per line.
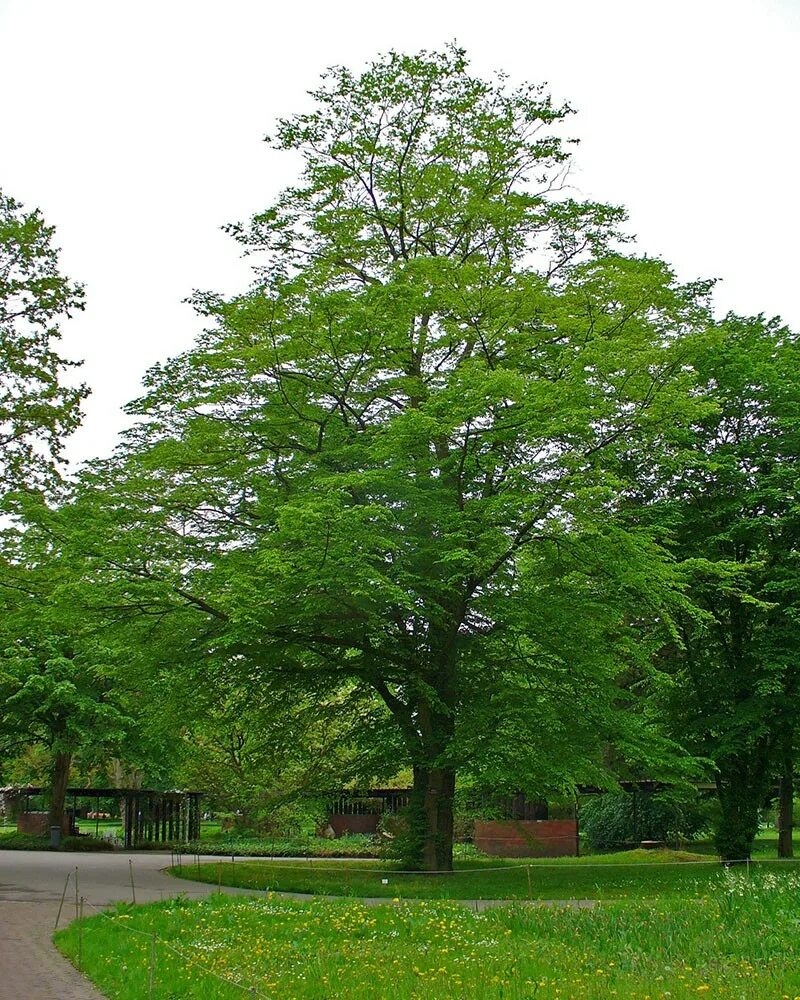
(31, 883)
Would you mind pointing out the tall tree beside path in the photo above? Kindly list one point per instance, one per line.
(37, 409)
(398, 461)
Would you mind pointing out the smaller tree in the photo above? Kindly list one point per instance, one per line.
(53, 699)
(36, 409)
(57, 681)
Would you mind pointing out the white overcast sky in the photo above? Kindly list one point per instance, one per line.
(137, 128)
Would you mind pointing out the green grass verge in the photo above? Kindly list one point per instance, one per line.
(10, 840)
(352, 846)
(630, 875)
(320, 950)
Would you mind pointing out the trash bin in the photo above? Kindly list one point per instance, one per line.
(55, 836)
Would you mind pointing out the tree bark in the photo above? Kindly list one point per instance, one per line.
(428, 727)
(741, 787)
(430, 820)
(440, 788)
(58, 787)
(786, 807)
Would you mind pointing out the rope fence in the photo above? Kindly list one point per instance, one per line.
(326, 865)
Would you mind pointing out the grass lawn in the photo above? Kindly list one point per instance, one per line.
(630, 875)
(320, 950)
(12, 841)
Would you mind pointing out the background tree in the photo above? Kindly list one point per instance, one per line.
(734, 521)
(58, 688)
(37, 409)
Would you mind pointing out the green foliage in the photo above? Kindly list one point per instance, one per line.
(86, 844)
(733, 522)
(389, 480)
(281, 846)
(612, 821)
(36, 410)
(59, 690)
(14, 841)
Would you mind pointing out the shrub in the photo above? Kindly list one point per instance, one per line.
(86, 844)
(23, 842)
(353, 846)
(608, 821)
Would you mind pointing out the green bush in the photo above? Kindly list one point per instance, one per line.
(610, 822)
(23, 842)
(352, 846)
(86, 844)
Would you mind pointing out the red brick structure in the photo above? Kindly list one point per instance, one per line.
(525, 838)
(38, 824)
(344, 823)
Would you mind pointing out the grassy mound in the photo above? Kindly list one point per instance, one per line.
(442, 951)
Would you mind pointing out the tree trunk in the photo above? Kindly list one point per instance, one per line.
(58, 788)
(428, 842)
(440, 788)
(428, 727)
(786, 807)
(741, 787)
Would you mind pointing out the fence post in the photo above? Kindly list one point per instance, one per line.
(133, 887)
(530, 890)
(61, 904)
(80, 938)
(152, 965)
(76, 892)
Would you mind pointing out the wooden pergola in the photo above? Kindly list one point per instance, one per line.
(149, 816)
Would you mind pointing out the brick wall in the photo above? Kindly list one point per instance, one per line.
(38, 824)
(343, 823)
(543, 838)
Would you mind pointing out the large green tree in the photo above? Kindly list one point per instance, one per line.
(398, 461)
(734, 522)
(37, 407)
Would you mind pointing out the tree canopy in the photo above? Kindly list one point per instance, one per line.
(398, 461)
(733, 522)
(37, 408)
(461, 483)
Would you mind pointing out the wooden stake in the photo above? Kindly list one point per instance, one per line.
(80, 938)
(63, 897)
(133, 887)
